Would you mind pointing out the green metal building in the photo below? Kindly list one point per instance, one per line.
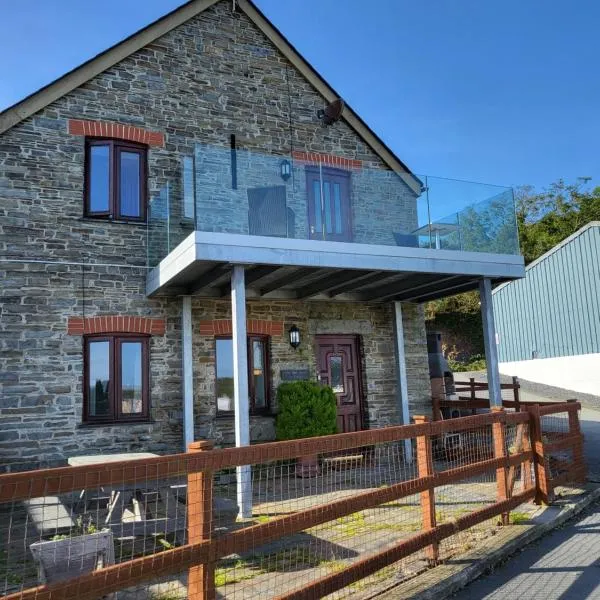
(555, 310)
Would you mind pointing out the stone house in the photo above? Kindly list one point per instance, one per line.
(172, 212)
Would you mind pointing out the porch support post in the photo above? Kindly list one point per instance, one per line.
(489, 341)
(187, 368)
(402, 393)
(240, 385)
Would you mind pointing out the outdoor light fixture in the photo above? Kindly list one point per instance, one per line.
(286, 169)
(294, 337)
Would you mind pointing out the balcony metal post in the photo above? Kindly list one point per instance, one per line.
(240, 386)
(489, 341)
(168, 218)
(188, 375)
(402, 393)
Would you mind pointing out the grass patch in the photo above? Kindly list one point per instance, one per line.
(235, 573)
(284, 561)
(516, 518)
(400, 527)
(352, 524)
(10, 576)
(263, 518)
(290, 560)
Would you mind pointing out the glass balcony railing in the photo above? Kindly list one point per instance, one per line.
(239, 191)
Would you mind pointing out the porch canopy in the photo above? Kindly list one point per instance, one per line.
(209, 264)
(283, 268)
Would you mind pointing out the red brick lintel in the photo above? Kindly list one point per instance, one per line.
(115, 324)
(328, 160)
(254, 327)
(118, 131)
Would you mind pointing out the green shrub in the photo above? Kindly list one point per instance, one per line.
(306, 409)
(476, 363)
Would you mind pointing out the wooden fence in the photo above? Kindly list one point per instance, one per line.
(470, 396)
(529, 452)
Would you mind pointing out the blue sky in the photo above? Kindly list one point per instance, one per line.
(502, 92)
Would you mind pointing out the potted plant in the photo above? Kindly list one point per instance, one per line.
(305, 409)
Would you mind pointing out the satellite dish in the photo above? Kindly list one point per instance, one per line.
(332, 112)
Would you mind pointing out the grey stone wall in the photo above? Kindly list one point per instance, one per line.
(211, 77)
(41, 366)
(374, 325)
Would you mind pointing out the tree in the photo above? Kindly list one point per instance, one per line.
(544, 219)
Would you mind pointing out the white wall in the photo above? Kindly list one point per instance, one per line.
(578, 373)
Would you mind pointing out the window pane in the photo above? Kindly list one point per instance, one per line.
(317, 195)
(258, 373)
(99, 178)
(131, 378)
(224, 375)
(99, 379)
(337, 205)
(327, 208)
(336, 378)
(130, 184)
(188, 187)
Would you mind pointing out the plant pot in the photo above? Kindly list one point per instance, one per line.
(307, 466)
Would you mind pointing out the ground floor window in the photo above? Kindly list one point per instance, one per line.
(116, 378)
(258, 374)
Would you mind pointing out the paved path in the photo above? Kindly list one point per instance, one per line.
(565, 565)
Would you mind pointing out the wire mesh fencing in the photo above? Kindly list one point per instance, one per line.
(337, 515)
(560, 446)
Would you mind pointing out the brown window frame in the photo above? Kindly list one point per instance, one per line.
(115, 394)
(115, 147)
(266, 410)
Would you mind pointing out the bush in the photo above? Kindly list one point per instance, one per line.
(306, 409)
(477, 363)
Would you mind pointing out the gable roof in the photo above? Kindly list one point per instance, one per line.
(105, 60)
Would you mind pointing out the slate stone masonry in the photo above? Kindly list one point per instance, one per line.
(213, 76)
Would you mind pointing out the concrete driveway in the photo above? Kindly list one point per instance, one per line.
(564, 565)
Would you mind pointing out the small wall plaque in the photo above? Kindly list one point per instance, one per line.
(294, 374)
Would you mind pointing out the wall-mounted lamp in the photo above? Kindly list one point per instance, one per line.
(285, 169)
(294, 334)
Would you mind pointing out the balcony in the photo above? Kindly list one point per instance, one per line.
(314, 226)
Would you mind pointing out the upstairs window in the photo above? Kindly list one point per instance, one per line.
(115, 180)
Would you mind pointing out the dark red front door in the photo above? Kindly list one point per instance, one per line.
(338, 364)
(328, 204)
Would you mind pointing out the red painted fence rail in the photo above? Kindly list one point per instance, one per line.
(536, 440)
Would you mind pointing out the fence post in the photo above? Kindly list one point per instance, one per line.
(499, 436)
(472, 386)
(516, 386)
(526, 464)
(201, 578)
(425, 469)
(579, 471)
(542, 479)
